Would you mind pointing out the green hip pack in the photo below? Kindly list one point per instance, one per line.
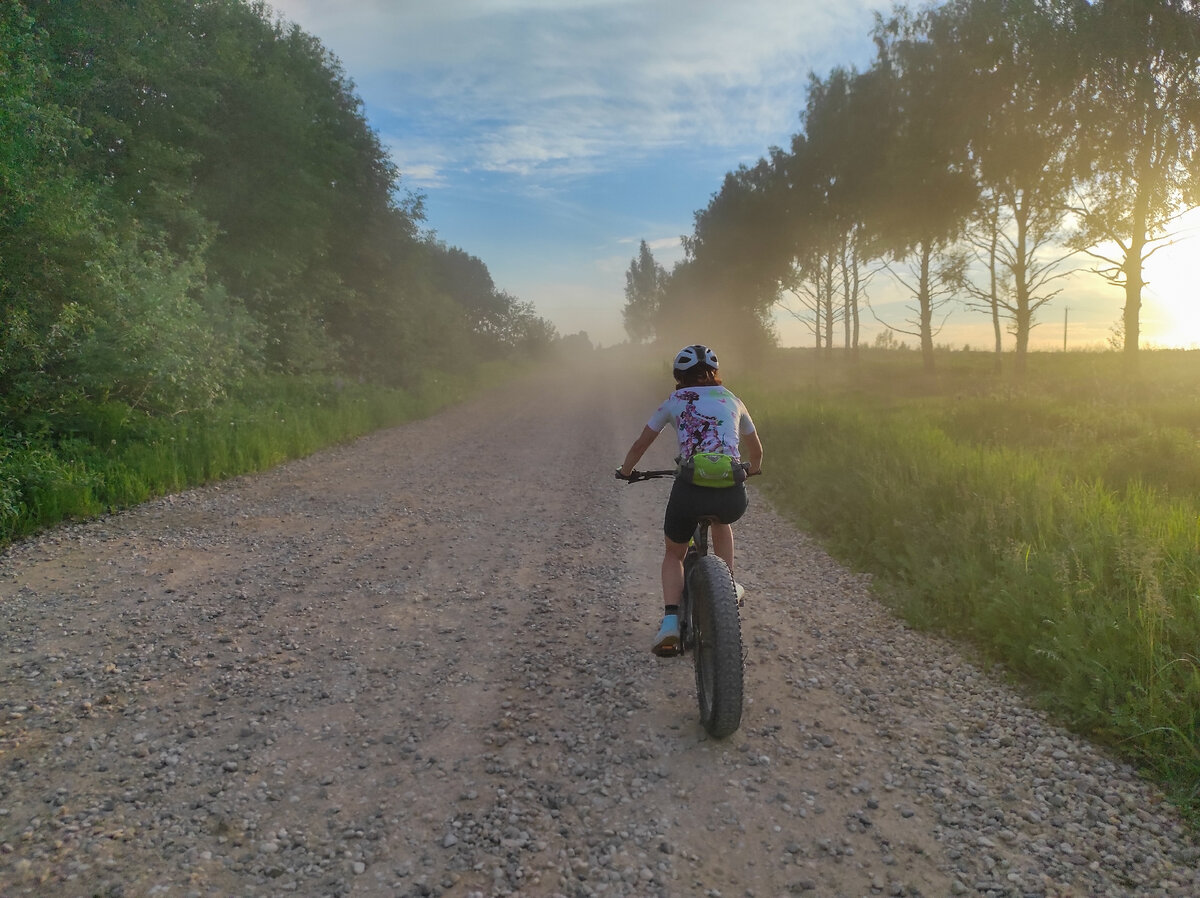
(711, 469)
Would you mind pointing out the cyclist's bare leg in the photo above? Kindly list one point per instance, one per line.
(672, 572)
(721, 536)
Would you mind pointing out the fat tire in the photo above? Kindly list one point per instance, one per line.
(716, 646)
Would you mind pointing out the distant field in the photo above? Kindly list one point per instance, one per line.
(1051, 521)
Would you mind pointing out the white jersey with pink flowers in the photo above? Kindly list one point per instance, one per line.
(707, 419)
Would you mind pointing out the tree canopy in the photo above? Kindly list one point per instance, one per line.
(989, 146)
(191, 194)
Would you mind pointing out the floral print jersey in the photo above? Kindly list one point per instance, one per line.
(707, 419)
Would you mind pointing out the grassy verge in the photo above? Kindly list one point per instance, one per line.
(112, 457)
(1053, 523)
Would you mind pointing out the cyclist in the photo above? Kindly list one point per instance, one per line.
(712, 424)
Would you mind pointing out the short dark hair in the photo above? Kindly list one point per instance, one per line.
(698, 376)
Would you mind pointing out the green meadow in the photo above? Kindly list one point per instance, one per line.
(1052, 521)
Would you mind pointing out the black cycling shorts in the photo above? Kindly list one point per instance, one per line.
(689, 503)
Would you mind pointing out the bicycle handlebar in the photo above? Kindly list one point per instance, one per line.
(637, 475)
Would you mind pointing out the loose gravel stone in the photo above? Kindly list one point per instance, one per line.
(418, 665)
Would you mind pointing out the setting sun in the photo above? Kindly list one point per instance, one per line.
(1172, 292)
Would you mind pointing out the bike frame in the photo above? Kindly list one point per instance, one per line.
(709, 627)
(697, 549)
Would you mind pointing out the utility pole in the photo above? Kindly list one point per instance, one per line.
(1066, 312)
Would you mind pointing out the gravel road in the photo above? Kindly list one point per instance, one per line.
(418, 665)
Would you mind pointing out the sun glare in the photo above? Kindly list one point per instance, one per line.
(1172, 292)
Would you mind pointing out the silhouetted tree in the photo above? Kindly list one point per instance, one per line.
(1013, 66)
(1139, 124)
(644, 282)
(926, 188)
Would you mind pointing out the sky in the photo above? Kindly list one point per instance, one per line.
(549, 137)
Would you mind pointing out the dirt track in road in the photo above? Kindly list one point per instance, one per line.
(418, 665)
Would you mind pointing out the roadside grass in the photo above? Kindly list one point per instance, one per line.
(109, 457)
(1052, 522)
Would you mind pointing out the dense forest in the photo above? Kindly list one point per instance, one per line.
(190, 198)
(991, 147)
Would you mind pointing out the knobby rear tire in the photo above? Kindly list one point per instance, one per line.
(716, 646)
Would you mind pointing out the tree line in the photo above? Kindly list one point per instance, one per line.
(191, 196)
(990, 146)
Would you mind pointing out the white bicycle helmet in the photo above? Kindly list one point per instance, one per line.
(691, 356)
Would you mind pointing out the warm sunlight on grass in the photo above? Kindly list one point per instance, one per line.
(1052, 520)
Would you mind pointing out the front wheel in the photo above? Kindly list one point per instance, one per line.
(716, 645)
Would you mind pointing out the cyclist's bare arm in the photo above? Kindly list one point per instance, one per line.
(637, 450)
(754, 453)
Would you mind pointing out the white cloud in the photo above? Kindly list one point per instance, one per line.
(547, 130)
(564, 88)
(668, 244)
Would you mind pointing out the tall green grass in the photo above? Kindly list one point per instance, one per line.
(1053, 523)
(107, 457)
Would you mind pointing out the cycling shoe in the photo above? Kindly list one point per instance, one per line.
(666, 643)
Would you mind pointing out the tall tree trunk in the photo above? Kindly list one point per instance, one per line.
(845, 266)
(925, 301)
(996, 329)
(994, 284)
(1023, 327)
(1133, 283)
(856, 286)
(1144, 174)
(830, 261)
(1023, 317)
